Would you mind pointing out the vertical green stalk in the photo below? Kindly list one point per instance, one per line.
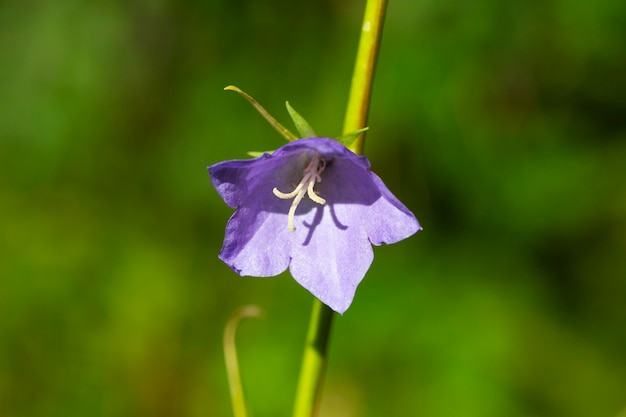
(314, 361)
(315, 351)
(363, 75)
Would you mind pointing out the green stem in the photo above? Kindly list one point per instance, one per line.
(363, 75)
(314, 361)
(315, 351)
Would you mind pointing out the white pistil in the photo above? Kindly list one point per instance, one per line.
(311, 175)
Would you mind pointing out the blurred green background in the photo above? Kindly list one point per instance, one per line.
(501, 124)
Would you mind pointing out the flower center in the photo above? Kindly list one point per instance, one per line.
(310, 176)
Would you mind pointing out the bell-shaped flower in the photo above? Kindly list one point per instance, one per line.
(312, 206)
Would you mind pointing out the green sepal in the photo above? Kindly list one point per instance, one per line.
(256, 154)
(280, 128)
(304, 128)
(349, 138)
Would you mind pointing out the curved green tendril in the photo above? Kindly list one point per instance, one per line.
(230, 356)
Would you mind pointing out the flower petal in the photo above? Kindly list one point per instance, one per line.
(257, 243)
(389, 221)
(333, 260)
(230, 178)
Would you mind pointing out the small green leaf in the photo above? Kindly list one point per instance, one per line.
(280, 128)
(304, 128)
(349, 138)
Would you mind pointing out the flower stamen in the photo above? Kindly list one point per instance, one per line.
(311, 175)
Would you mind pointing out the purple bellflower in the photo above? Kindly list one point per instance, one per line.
(312, 206)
